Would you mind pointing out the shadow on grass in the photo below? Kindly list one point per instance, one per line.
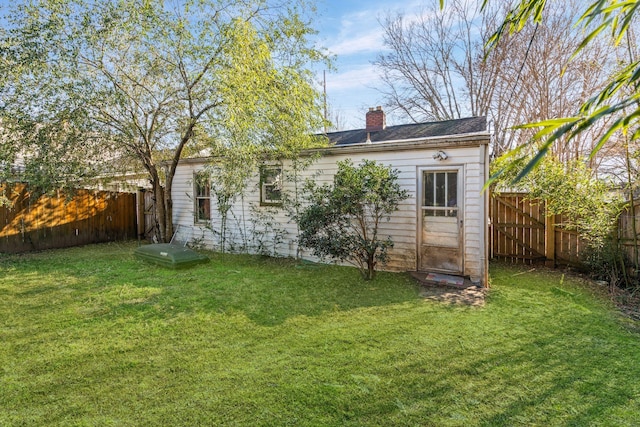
(557, 381)
(267, 290)
(542, 352)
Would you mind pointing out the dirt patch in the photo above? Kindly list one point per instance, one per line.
(462, 293)
(472, 296)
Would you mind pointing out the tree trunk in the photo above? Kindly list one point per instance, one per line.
(371, 267)
(159, 196)
(168, 204)
(162, 205)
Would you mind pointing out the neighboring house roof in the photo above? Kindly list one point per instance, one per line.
(410, 131)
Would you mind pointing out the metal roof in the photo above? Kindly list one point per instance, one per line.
(410, 131)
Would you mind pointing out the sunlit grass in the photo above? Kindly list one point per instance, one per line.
(93, 336)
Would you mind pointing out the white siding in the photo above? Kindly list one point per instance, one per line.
(403, 224)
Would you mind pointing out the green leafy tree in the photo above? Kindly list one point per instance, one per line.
(154, 80)
(582, 202)
(342, 221)
(587, 204)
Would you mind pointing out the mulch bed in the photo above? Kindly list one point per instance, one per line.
(627, 302)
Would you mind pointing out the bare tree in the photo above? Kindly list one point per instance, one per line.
(434, 70)
(438, 69)
(539, 80)
(335, 118)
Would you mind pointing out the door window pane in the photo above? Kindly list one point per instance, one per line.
(440, 188)
(429, 190)
(452, 189)
(440, 193)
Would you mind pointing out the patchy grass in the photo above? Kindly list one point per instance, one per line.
(92, 336)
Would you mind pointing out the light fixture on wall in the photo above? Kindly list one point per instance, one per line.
(440, 155)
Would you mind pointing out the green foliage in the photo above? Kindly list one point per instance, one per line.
(266, 231)
(617, 105)
(293, 194)
(587, 204)
(152, 80)
(342, 221)
(270, 108)
(610, 263)
(228, 175)
(268, 104)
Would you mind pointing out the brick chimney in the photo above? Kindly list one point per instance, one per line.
(376, 119)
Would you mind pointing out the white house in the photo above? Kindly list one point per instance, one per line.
(441, 227)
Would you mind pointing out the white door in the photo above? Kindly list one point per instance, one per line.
(440, 221)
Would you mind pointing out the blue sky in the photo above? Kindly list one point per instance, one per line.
(350, 30)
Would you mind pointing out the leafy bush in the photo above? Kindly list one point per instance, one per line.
(341, 222)
(587, 204)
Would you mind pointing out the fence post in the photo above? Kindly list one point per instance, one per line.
(550, 240)
(140, 213)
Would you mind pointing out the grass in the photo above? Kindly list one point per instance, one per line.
(91, 336)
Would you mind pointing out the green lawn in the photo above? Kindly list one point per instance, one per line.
(93, 337)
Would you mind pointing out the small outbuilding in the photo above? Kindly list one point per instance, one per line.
(441, 227)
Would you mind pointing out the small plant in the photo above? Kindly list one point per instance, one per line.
(342, 221)
(266, 231)
(228, 177)
(610, 263)
(198, 243)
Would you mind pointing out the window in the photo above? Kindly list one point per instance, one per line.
(202, 193)
(440, 193)
(271, 185)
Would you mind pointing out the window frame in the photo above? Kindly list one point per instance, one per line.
(263, 185)
(449, 205)
(204, 196)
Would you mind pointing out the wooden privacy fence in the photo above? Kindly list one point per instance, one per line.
(522, 233)
(628, 232)
(44, 222)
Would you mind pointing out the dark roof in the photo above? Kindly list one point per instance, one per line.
(412, 131)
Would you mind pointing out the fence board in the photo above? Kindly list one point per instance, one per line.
(54, 221)
(517, 228)
(629, 233)
(520, 232)
(568, 246)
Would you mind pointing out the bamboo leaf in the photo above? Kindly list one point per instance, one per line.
(534, 162)
(612, 129)
(588, 40)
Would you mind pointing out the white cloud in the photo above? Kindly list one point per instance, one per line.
(360, 32)
(364, 76)
(359, 43)
(356, 38)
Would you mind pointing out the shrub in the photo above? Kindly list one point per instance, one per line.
(341, 221)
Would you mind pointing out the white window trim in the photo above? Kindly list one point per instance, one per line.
(196, 199)
(264, 185)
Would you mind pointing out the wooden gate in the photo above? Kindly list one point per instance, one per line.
(517, 228)
(521, 232)
(147, 222)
